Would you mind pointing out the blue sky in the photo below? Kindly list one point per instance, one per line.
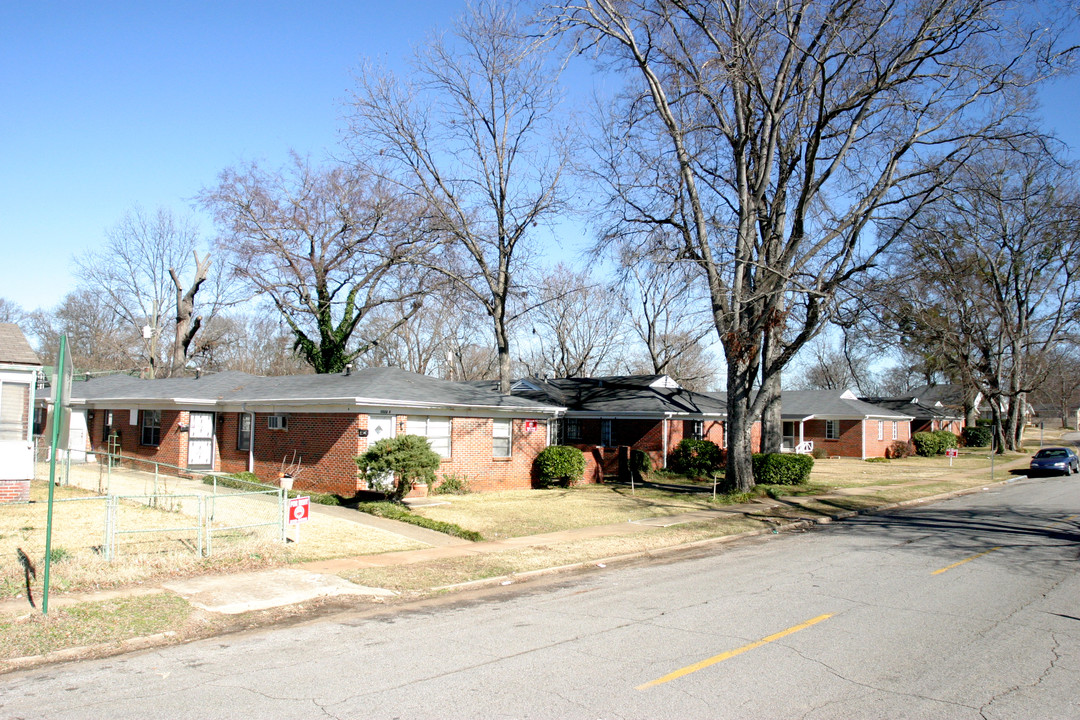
(111, 104)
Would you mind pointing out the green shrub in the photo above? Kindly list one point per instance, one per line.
(900, 449)
(640, 462)
(396, 511)
(409, 458)
(978, 436)
(927, 444)
(560, 465)
(697, 458)
(819, 453)
(452, 484)
(946, 440)
(877, 459)
(782, 468)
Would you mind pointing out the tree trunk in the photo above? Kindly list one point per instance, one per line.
(740, 470)
(502, 346)
(772, 424)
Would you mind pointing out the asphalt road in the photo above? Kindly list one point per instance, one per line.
(964, 609)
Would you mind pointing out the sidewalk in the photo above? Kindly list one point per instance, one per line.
(237, 593)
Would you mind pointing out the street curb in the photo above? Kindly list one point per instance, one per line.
(160, 639)
(142, 642)
(675, 549)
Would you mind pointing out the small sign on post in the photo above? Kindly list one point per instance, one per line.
(951, 453)
(299, 511)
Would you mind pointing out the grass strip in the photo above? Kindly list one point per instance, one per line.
(92, 623)
(393, 511)
(250, 483)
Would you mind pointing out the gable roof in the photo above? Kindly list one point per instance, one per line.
(14, 349)
(626, 395)
(916, 407)
(832, 405)
(369, 386)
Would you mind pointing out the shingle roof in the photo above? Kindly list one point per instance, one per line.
(832, 404)
(14, 349)
(918, 409)
(369, 386)
(621, 394)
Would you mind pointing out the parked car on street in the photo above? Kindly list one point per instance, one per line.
(1055, 459)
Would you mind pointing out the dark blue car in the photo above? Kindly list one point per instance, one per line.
(1055, 459)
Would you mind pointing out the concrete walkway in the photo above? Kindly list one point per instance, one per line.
(236, 593)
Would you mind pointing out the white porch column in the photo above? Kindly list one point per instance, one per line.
(664, 426)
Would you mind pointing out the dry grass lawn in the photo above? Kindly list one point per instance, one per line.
(79, 530)
(420, 578)
(514, 513)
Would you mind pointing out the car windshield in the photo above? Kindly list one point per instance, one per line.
(1052, 453)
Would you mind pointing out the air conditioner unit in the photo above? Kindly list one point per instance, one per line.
(277, 422)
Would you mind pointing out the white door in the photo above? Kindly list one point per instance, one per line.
(16, 447)
(380, 427)
(201, 441)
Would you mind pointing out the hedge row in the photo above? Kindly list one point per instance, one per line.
(928, 444)
(782, 468)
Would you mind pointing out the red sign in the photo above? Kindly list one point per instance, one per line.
(299, 509)
(951, 452)
(530, 425)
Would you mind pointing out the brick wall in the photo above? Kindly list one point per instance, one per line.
(472, 455)
(172, 449)
(14, 491)
(325, 445)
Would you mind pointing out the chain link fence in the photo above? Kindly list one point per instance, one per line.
(144, 507)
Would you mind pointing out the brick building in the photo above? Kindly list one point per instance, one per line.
(927, 415)
(232, 422)
(839, 423)
(607, 417)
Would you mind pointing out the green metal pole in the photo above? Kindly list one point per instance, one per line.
(57, 397)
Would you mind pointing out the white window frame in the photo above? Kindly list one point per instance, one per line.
(277, 422)
(427, 427)
(832, 429)
(880, 430)
(607, 434)
(23, 427)
(502, 429)
(895, 430)
(697, 429)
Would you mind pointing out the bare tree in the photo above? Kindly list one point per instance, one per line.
(473, 137)
(771, 138)
(11, 312)
(258, 342)
(134, 272)
(99, 338)
(669, 316)
(1060, 386)
(577, 326)
(327, 246)
(990, 277)
(187, 323)
(835, 366)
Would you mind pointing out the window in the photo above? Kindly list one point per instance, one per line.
(787, 435)
(881, 430)
(107, 427)
(243, 432)
(832, 429)
(151, 427)
(277, 422)
(572, 429)
(606, 439)
(435, 429)
(895, 429)
(14, 411)
(501, 438)
(697, 429)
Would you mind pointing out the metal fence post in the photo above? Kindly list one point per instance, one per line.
(110, 527)
(204, 532)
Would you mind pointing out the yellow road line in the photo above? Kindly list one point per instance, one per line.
(732, 653)
(1061, 522)
(965, 560)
